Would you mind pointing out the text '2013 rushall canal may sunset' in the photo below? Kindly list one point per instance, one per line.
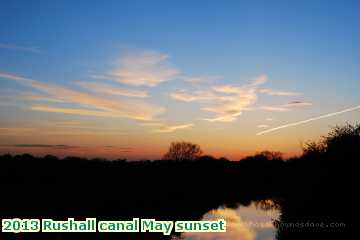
(17, 225)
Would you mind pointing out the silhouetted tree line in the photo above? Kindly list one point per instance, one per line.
(319, 186)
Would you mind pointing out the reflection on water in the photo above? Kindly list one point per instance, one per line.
(253, 222)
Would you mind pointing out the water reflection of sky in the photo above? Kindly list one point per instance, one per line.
(243, 223)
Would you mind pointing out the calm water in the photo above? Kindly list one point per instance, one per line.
(244, 223)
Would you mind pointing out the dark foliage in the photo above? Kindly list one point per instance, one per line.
(318, 187)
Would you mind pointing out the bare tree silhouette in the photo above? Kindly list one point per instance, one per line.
(180, 151)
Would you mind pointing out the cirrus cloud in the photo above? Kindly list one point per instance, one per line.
(298, 104)
(86, 104)
(112, 90)
(275, 108)
(287, 107)
(273, 92)
(143, 68)
(226, 102)
(163, 128)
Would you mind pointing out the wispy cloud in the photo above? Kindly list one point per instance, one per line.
(148, 68)
(229, 89)
(163, 127)
(81, 132)
(263, 126)
(90, 105)
(275, 108)
(297, 104)
(260, 80)
(309, 120)
(143, 68)
(118, 149)
(62, 128)
(37, 97)
(273, 92)
(286, 107)
(186, 96)
(171, 128)
(227, 102)
(112, 90)
(80, 128)
(59, 146)
(151, 124)
(200, 79)
(225, 118)
(75, 111)
(20, 48)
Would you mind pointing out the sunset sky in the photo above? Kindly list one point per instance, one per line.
(123, 79)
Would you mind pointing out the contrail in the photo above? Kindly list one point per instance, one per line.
(308, 120)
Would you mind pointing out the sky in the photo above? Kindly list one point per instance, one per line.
(123, 79)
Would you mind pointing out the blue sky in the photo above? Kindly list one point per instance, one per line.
(307, 50)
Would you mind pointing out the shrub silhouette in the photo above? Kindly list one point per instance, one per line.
(320, 186)
(341, 143)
